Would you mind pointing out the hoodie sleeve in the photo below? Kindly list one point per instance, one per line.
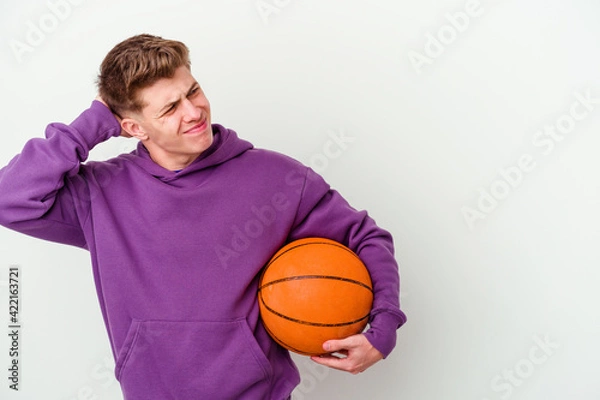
(39, 186)
(323, 212)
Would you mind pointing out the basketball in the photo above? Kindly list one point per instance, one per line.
(313, 290)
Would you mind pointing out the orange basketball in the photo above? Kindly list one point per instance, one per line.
(314, 290)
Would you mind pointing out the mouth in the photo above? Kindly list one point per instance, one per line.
(200, 127)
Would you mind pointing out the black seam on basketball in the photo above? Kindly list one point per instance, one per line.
(310, 243)
(299, 321)
(276, 338)
(284, 344)
(331, 277)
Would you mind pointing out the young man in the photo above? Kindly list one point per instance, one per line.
(179, 230)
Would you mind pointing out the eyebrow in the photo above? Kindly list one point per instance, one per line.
(167, 106)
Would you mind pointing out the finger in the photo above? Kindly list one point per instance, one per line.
(340, 353)
(331, 361)
(338, 345)
(342, 364)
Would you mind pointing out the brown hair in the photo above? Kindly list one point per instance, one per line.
(135, 64)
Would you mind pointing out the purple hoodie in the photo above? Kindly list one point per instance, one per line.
(176, 256)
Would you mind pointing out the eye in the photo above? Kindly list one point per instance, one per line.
(168, 111)
(195, 91)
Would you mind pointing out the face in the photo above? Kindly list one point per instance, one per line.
(174, 124)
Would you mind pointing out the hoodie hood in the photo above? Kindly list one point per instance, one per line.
(225, 146)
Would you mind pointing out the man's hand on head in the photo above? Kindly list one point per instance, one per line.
(123, 132)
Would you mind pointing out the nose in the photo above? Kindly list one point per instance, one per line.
(190, 111)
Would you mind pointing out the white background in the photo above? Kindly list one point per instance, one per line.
(428, 140)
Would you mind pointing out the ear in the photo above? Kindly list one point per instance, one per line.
(133, 127)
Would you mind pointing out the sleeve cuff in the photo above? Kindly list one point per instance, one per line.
(96, 124)
(382, 332)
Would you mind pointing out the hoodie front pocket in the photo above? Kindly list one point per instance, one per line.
(192, 360)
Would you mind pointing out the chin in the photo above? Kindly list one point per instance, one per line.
(205, 141)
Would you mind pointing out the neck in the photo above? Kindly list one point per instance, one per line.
(171, 162)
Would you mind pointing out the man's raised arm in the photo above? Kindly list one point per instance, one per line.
(38, 186)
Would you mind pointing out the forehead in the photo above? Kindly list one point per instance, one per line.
(167, 90)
